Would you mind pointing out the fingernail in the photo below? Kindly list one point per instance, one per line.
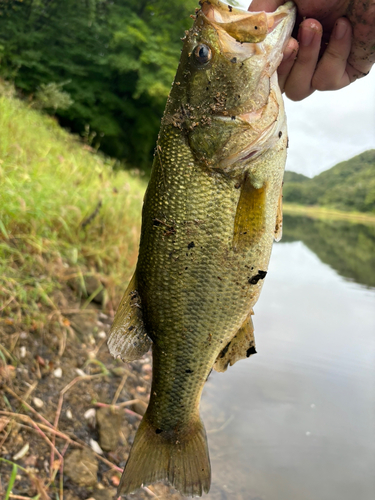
(307, 35)
(340, 30)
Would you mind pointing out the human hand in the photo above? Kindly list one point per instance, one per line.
(347, 51)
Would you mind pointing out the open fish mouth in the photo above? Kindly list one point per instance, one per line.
(243, 35)
(245, 26)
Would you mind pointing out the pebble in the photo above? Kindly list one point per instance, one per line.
(102, 334)
(90, 413)
(38, 402)
(80, 372)
(22, 351)
(57, 373)
(82, 467)
(95, 446)
(22, 452)
(109, 426)
(23, 335)
(69, 414)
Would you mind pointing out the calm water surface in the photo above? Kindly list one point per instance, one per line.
(297, 420)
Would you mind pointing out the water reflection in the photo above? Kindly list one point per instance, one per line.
(347, 247)
(296, 421)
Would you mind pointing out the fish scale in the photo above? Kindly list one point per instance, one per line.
(210, 215)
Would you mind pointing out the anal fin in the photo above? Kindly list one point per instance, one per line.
(241, 346)
(128, 337)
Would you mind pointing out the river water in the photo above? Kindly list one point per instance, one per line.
(297, 420)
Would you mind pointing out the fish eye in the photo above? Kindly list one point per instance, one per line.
(202, 53)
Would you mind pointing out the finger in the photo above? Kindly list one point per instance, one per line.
(298, 84)
(331, 72)
(362, 55)
(289, 56)
(265, 5)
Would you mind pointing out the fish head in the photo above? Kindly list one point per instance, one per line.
(225, 95)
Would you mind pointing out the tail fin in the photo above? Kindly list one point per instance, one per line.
(181, 459)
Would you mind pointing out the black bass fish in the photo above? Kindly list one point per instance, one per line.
(211, 212)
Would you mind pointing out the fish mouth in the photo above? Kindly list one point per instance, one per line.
(243, 25)
(241, 33)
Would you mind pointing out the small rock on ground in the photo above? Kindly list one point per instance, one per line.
(105, 494)
(109, 424)
(82, 467)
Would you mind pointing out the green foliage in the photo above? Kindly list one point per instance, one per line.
(12, 480)
(51, 96)
(119, 56)
(64, 213)
(349, 186)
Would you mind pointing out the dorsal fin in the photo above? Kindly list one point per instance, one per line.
(128, 337)
(241, 346)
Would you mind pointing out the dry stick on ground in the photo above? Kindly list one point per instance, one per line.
(28, 406)
(41, 433)
(19, 497)
(119, 389)
(130, 412)
(49, 428)
(30, 390)
(59, 407)
(6, 435)
(120, 405)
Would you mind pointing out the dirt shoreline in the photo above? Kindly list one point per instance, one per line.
(66, 397)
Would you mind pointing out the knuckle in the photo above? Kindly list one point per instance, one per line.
(323, 83)
(335, 53)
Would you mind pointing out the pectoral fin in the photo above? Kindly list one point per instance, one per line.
(279, 218)
(240, 347)
(249, 222)
(128, 337)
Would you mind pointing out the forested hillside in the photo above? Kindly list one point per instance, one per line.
(350, 185)
(103, 67)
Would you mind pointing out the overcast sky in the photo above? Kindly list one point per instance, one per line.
(329, 127)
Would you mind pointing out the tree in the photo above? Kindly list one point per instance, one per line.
(118, 59)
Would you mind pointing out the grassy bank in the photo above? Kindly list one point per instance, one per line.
(65, 215)
(328, 213)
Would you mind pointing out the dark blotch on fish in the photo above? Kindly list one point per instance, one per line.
(260, 276)
(158, 431)
(191, 245)
(224, 351)
(251, 350)
(188, 371)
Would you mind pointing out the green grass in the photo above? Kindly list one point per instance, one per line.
(51, 183)
(317, 212)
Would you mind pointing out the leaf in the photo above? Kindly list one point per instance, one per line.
(12, 480)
